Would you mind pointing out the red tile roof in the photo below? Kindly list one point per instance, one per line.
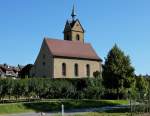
(71, 49)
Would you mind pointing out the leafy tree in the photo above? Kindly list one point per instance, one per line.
(6, 88)
(25, 72)
(1, 88)
(33, 87)
(17, 91)
(24, 87)
(10, 86)
(117, 70)
(95, 88)
(96, 74)
(141, 84)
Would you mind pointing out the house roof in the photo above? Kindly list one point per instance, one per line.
(5, 68)
(1, 71)
(71, 49)
(9, 68)
(71, 23)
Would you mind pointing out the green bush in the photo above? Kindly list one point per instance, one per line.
(38, 88)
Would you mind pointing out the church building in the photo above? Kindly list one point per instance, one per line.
(68, 58)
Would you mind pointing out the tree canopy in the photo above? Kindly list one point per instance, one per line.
(25, 72)
(117, 70)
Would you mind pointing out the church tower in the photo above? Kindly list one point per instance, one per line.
(73, 30)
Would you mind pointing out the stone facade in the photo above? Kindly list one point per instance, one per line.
(48, 66)
(74, 31)
(43, 66)
(70, 63)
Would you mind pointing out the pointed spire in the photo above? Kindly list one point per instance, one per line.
(73, 14)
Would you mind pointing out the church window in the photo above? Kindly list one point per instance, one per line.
(76, 70)
(64, 69)
(77, 37)
(88, 70)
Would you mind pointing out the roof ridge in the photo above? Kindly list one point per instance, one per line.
(56, 39)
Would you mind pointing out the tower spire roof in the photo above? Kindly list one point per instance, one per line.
(73, 14)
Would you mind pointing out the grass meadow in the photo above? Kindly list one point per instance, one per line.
(55, 105)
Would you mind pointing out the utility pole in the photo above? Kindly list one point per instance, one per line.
(62, 110)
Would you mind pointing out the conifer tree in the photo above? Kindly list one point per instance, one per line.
(117, 70)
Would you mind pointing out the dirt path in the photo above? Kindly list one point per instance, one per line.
(70, 112)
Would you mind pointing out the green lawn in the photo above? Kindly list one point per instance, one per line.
(103, 114)
(100, 114)
(55, 105)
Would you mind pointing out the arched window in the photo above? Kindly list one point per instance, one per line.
(76, 73)
(77, 37)
(64, 69)
(88, 70)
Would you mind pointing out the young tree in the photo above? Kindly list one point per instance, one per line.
(117, 70)
(10, 87)
(141, 84)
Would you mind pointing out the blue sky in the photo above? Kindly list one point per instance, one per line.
(24, 24)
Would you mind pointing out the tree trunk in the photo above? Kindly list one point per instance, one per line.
(9, 97)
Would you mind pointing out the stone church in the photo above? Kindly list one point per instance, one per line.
(68, 58)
